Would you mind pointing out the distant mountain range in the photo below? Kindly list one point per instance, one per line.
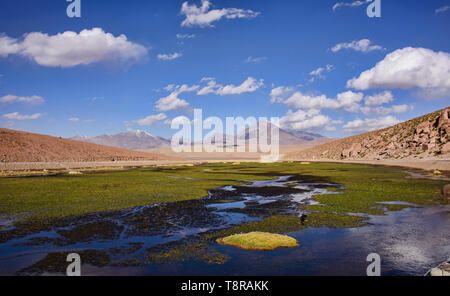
(286, 138)
(141, 140)
(132, 140)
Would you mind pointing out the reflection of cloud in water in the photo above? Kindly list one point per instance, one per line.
(411, 240)
(407, 254)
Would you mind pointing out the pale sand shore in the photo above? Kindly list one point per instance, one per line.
(442, 165)
(21, 166)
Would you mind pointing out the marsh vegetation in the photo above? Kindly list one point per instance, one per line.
(152, 218)
(259, 241)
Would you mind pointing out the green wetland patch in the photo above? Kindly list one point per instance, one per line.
(150, 217)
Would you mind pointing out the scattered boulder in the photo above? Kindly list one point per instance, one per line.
(345, 153)
(441, 270)
(353, 151)
(423, 128)
(445, 148)
(443, 122)
(438, 272)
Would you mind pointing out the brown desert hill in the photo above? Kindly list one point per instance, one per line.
(18, 146)
(425, 137)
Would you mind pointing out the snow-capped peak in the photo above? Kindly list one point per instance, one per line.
(141, 133)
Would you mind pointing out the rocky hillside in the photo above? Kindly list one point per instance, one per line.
(420, 138)
(17, 146)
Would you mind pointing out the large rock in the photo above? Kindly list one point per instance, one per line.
(438, 272)
(441, 270)
(443, 121)
(356, 148)
(346, 153)
(423, 128)
(445, 148)
(353, 151)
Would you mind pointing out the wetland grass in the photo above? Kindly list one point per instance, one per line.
(57, 196)
(76, 206)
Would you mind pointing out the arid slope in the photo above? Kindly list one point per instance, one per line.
(425, 137)
(17, 146)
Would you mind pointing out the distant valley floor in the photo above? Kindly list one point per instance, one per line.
(430, 165)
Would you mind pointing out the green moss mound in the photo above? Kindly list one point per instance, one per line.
(261, 241)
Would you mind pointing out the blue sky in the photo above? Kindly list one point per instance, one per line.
(291, 59)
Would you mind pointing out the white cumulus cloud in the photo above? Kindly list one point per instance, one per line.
(320, 70)
(350, 4)
(280, 93)
(347, 101)
(318, 73)
(18, 116)
(208, 85)
(249, 85)
(151, 119)
(70, 49)
(395, 109)
(185, 36)
(409, 68)
(370, 124)
(32, 100)
(363, 45)
(310, 120)
(172, 101)
(171, 56)
(202, 16)
(8, 46)
(379, 99)
(442, 9)
(254, 60)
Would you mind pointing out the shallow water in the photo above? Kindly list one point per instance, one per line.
(409, 242)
